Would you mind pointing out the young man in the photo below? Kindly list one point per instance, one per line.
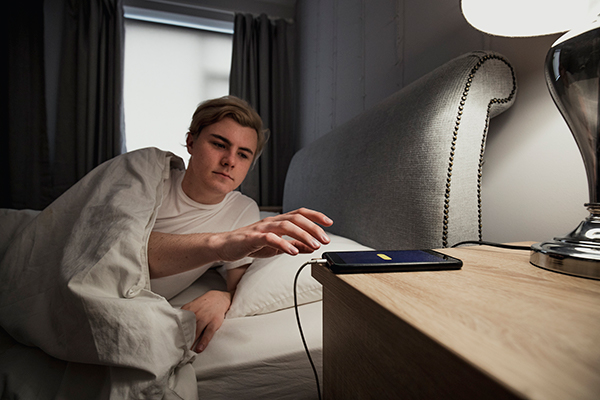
(203, 222)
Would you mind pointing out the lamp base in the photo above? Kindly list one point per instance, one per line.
(577, 254)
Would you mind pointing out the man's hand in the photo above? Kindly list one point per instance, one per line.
(210, 309)
(265, 238)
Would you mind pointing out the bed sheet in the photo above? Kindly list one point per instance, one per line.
(254, 357)
(262, 357)
(258, 357)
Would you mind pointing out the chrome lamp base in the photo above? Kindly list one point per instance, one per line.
(577, 254)
(573, 76)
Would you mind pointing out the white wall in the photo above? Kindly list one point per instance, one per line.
(534, 183)
(353, 53)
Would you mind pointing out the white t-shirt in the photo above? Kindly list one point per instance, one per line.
(181, 215)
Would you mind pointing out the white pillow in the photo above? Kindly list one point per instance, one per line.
(268, 284)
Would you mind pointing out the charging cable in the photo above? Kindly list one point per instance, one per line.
(313, 261)
(501, 245)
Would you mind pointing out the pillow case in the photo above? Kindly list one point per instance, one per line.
(268, 284)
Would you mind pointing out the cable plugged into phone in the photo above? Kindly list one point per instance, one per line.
(312, 364)
(321, 261)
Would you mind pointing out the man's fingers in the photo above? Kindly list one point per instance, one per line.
(209, 310)
(298, 227)
(205, 338)
(276, 242)
(200, 327)
(292, 247)
(315, 216)
(292, 233)
(302, 248)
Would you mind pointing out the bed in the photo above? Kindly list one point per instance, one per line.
(79, 319)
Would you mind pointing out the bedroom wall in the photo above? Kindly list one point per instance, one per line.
(354, 53)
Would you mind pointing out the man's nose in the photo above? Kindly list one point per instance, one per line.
(228, 159)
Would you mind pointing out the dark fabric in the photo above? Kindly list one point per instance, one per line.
(262, 72)
(89, 126)
(63, 112)
(24, 169)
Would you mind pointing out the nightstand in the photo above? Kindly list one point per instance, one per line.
(498, 328)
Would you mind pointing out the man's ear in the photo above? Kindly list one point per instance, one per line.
(189, 141)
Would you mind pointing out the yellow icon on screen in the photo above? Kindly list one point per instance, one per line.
(384, 257)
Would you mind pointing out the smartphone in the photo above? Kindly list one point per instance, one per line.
(361, 262)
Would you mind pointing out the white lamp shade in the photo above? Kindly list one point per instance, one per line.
(528, 17)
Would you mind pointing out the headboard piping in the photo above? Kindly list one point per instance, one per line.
(463, 100)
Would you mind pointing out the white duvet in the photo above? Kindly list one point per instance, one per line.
(75, 283)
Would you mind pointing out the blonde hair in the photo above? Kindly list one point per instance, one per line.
(213, 111)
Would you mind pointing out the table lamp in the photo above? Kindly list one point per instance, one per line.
(572, 73)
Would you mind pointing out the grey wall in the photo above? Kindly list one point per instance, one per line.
(353, 53)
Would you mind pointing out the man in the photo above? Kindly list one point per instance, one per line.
(203, 222)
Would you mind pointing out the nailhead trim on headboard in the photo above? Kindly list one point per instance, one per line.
(463, 99)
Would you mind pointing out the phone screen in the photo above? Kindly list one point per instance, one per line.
(376, 257)
(389, 261)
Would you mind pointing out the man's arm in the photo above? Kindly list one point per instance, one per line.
(233, 278)
(170, 254)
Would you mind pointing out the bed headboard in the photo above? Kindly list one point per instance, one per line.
(406, 173)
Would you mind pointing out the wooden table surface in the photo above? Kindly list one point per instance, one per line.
(535, 331)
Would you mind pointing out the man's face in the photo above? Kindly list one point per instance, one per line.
(221, 156)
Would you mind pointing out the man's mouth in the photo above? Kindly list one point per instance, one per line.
(223, 174)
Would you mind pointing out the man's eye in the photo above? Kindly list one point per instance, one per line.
(244, 155)
(219, 145)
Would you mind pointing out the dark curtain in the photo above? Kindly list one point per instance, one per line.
(262, 73)
(89, 127)
(25, 170)
(64, 90)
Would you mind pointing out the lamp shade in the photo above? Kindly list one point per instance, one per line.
(519, 18)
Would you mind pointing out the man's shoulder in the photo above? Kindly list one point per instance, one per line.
(240, 200)
(243, 207)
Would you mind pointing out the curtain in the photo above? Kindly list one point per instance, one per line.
(262, 73)
(90, 125)
(64, 90)
(24, 170)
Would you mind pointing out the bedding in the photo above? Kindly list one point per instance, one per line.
(260, 356)
(81, 264)
(74, 283)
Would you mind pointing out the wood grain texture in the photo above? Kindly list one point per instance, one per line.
(499, 328)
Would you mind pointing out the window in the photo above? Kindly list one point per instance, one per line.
(169, 70)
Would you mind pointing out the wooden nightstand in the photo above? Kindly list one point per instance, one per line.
(498, 328)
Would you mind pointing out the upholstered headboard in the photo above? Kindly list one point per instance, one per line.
(407, 172)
